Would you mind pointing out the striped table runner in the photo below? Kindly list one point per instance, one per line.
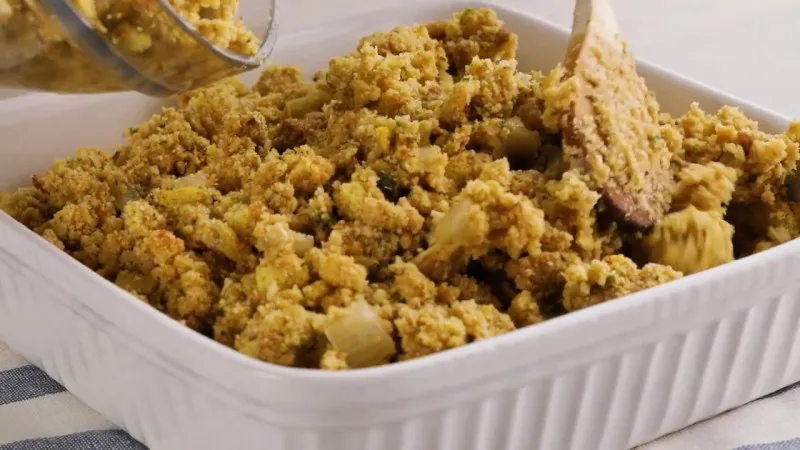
(36, 413)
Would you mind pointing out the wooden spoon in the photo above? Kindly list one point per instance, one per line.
(612, 131)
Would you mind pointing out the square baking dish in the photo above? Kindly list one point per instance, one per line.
(608, 377)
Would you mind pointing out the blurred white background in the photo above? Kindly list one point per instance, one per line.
(749, 48)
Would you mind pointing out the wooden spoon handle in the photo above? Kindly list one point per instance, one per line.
(613, 126)
(593, 18)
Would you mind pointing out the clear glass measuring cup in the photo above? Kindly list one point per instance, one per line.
(157, 47)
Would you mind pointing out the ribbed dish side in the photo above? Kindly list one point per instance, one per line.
(617, 402)
(151, 404)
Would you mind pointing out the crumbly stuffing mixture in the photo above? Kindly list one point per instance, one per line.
(35, 53)
(415, 190)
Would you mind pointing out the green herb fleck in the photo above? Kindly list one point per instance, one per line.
(452, 70)
(388, 186)
(323, 219)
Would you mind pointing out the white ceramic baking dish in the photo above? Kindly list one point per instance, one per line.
(608, 377)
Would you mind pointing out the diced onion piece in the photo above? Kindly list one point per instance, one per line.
(451, 233)
(453, 224)
(280, 232)
(521, 142)
(302, 243)
(431, 157)
(313, 101)
(135, 282)
(359, 334)
(123, 198)
(197, 179)
(277, 233)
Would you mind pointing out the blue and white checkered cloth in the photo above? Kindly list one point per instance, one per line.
(36, 413)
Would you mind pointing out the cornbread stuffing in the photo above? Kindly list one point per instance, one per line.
(413, 198)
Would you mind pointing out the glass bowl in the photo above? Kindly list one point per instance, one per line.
(150, 46)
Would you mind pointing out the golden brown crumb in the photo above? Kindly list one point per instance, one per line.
(524, 310)
(706, 187)
(412, 286)
(691, 240)
(782, 225)
(338, 270)
(540, 274)
(732, 139)
(333, 360)
(281, 335)
(238, 301)
(428, 330)
(474, 33)
(482, 321)
(615, 276)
